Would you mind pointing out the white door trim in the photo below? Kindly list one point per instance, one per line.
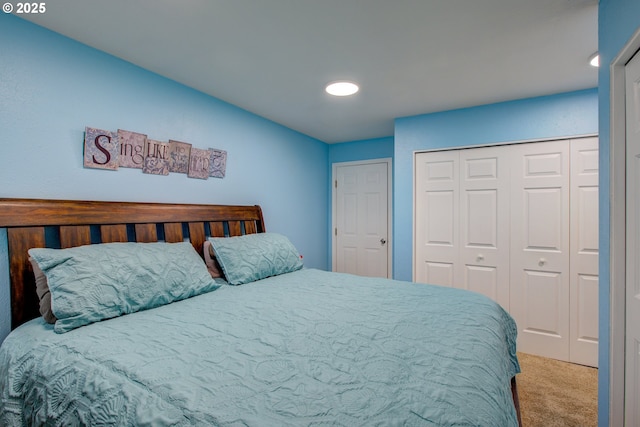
(617, 229)
(334, 204)
(500, 143)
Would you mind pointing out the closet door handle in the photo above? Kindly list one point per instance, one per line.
(480, 257)
(542, 261)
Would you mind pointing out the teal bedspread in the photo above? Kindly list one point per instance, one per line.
(308, 348)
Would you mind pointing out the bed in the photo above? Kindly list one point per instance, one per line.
(288, 346)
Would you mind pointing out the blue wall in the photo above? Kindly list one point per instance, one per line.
(568, 114)
(618, 20)
(367, 149)
(51, 87)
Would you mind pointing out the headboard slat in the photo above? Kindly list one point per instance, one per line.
(173, 232)
(146, 233)
(217, 229)
(197, 236)
(250, 227)
(24, 300)
(71, 236)
(27, 219)
(115, 233)
(235, 229)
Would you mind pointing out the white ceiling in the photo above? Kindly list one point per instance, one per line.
(274, 57)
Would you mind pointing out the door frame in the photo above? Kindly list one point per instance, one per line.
(618, 228)
(334, 203)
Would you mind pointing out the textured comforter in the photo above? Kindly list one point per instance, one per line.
(304, 348)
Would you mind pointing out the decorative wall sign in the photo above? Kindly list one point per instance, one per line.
(179, 153)
(199, 163)
(218, 164)
(101, 149)
(104, 149)
(131, 149)
(156, 157)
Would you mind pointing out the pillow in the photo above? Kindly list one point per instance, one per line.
(210, 260)
(42, 289)
(255, 256)
(97, 282)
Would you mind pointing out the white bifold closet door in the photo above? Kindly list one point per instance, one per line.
(518, 223)
(540, 240)
(462, 215)
(584, 244)
(554, 240)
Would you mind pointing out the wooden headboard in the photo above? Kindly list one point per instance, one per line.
(33, 223)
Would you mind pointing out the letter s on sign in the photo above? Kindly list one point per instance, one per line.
(101, 148)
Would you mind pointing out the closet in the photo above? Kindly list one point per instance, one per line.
(519, 224)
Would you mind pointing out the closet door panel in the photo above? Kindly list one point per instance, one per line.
(543, 312)
(436, 204)
(484, 222)
(584, 280)
(540, 247)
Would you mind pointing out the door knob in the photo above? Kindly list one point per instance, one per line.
(480, 257)
(383, 241)
(542, 261)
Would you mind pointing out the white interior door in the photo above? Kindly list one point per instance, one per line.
(583, 308)
(484, 222)
(361, 221)
(437, 200)
(540, 247)
(632, 345)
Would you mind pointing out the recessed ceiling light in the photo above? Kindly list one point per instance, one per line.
(342, 88)
(594, 60)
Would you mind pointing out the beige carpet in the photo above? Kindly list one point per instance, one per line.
(554, 393)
